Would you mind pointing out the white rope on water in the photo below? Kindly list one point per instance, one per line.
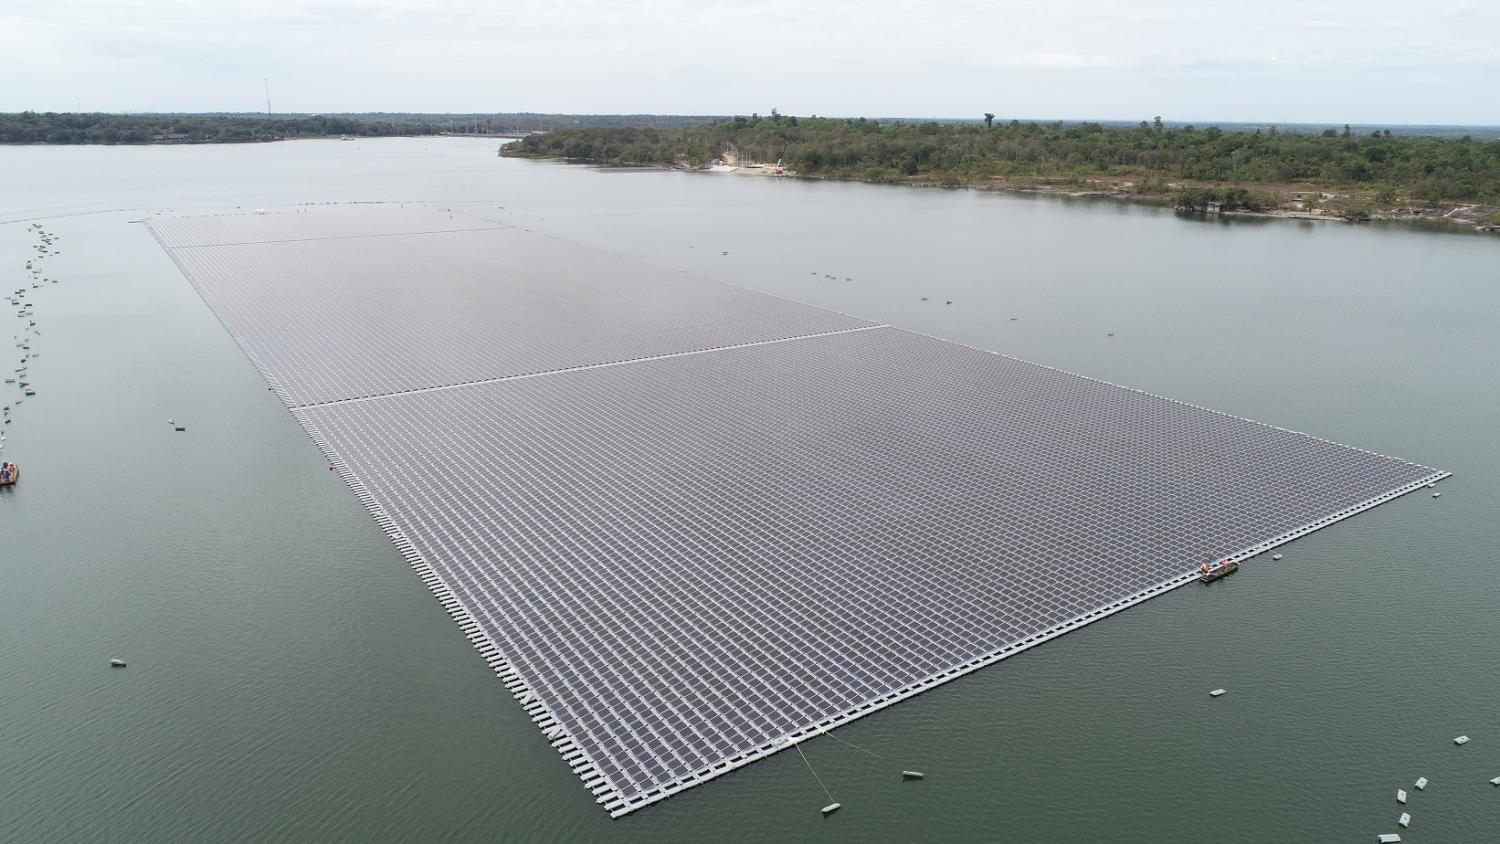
(853, 745)
(798, 745)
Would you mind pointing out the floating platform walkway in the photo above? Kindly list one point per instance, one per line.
(689, 524)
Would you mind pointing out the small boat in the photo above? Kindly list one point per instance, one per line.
(912, 775)
(1461, 740)
(11, 475)
(117, 663)
(1400, 795)
(1495, 781)
(1217, 692)
(831, 808)
(1214, 571)
(1389, 838)
(1404, 821)
(1421, 783)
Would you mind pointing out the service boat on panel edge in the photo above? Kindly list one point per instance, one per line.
(1209, 572)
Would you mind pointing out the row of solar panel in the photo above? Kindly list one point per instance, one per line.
(685, 559)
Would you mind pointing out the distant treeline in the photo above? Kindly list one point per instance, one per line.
(92, 128)
(533, 121)
(1426, 168)
(32, 127)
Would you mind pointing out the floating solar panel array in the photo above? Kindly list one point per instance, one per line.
(690, 524)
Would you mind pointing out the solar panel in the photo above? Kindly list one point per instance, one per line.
(332, 314)
(311, 223)
(679, 562)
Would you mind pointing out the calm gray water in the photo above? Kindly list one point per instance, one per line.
(291, 679)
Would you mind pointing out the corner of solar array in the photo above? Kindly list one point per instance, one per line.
(556, 734)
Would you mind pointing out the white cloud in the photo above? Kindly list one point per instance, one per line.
(1372, 61)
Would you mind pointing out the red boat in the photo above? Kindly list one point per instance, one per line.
(1209, 572)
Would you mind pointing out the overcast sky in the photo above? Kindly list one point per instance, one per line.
(1335, 61)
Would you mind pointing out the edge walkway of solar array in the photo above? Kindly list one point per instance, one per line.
(689, 524)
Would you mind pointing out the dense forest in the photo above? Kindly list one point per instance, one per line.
(1389, 168)
(32, 127)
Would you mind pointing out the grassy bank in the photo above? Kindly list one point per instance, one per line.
(1335, 174)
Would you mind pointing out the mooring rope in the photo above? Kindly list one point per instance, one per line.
(853, 745)
(798, 745)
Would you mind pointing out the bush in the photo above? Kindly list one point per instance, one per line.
(1391, 166)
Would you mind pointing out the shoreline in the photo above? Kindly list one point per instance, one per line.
(1341, 204)
(1465, 215)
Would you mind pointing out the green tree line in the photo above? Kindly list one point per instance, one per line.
(32, 127)
(1436, 169)
(534, 121)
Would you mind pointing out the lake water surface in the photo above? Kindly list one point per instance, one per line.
(290, 679)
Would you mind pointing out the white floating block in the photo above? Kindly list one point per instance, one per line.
(1404, 821)
(1389, 838)
(1400, 795)
(1495, 781)
(1421, 783)
(1461, 740)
